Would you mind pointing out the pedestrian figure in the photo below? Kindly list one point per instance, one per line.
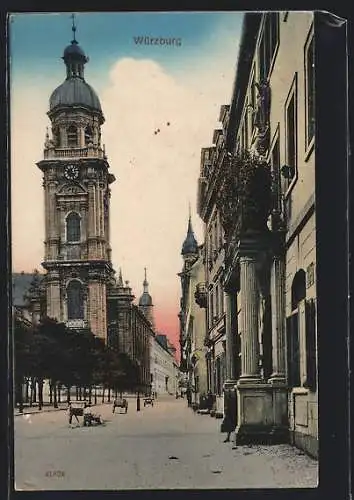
(189, 396)
(229, 423)
(71, 414)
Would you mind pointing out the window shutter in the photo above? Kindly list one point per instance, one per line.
(302, 341)
(311, 345)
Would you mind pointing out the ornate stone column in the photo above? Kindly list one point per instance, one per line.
(249, 319)
(63, 136)
(82, 136)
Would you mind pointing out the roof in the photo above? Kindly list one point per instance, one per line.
(190, 245)
(145, 299)
(74, 91)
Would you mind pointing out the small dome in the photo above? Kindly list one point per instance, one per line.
(190, 244)
(74, 50)
(145, 300)
(74, 91)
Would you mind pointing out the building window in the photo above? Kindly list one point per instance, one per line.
(75, 300)
(310, 89)
(73, 231)
(291, 135)
(294, 329)
(72, 135)
(56, 136)
(211, 307)
(88, 135)
(268, 44)
(217, 301)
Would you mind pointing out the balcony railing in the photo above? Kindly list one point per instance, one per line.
(89, 152)
(76, 323)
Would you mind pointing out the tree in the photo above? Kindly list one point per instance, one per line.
(22, 368)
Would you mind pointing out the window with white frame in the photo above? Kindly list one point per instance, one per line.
(268, 44)
(310, 89)
(291, 134)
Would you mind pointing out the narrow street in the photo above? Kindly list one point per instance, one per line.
(161, 447)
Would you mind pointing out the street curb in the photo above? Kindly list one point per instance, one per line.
(38, 411)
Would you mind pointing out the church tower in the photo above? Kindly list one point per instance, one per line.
(145, 303)
(189, 250)
(76, 180)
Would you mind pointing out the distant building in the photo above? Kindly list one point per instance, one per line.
(163, 366)
(193, 316)
(145, 303)
(128, 329)
(209, 211)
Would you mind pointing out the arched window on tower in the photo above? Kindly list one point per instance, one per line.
(56, 136)
(72, 136)
(75, 295)
(73, 229)
(88, 135)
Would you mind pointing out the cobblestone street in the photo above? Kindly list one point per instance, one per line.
(165, 446)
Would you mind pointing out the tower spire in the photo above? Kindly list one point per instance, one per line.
(145, 283)
(120, 278)
(73, 27)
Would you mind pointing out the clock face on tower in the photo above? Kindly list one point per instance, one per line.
(71, 172)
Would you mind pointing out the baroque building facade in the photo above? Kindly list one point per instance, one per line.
(259, 178)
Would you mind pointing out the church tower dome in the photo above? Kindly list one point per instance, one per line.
(145, 302)
(74, 90)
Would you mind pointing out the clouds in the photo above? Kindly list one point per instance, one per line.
(156, 172)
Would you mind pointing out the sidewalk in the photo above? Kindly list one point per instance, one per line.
(28, 410)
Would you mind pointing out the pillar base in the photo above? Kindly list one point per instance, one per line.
(261, 434)
(262, 413)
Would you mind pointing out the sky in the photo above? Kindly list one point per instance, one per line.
(141, 87)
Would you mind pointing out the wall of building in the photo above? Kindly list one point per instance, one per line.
(162, 369)
(196, 318)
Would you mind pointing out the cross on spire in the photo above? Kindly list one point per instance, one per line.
(73, 25)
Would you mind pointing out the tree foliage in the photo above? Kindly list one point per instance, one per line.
(245, 198)
(70, 357)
